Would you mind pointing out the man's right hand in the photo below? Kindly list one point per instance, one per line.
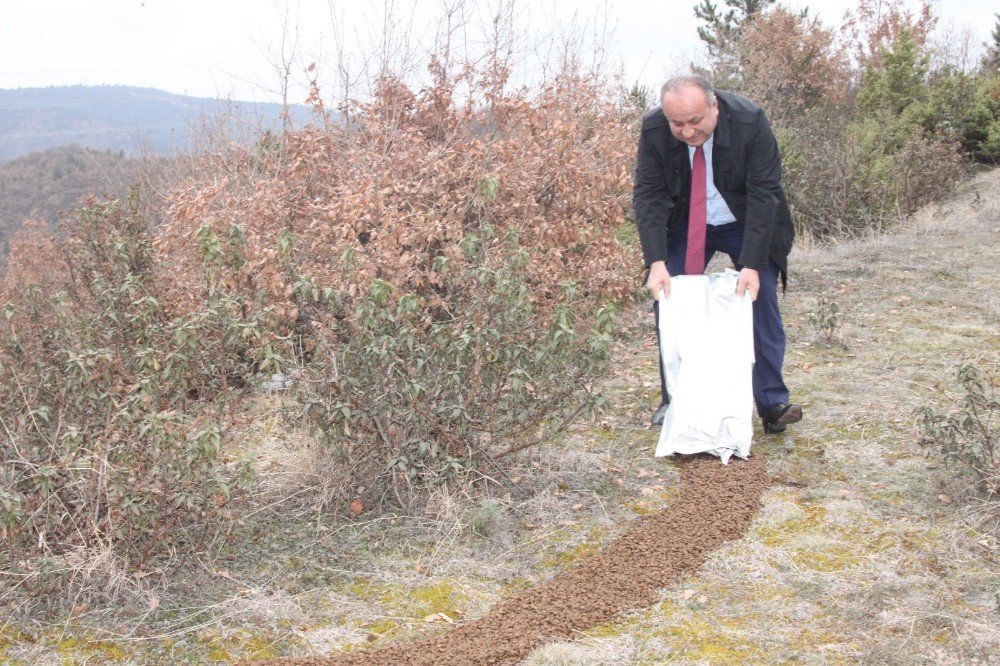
(658, 279)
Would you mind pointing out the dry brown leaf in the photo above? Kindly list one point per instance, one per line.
(439, 617)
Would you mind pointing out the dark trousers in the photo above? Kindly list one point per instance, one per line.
(768, 332)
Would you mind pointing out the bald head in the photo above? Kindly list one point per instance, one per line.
(691, 109)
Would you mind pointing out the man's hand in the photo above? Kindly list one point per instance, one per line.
(658, 279)
(749, 280)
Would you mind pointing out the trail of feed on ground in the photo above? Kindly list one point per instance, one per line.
(864, 550)
(715, 504)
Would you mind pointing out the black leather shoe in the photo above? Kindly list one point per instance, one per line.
(779, 415)
(660, 412)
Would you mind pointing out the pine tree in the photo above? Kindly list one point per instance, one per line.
(898, 80)
(722, 30)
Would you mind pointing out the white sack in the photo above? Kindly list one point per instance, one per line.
(706, 340)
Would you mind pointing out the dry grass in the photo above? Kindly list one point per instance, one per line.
(864, 551)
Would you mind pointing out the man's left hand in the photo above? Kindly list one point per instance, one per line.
(749, 280)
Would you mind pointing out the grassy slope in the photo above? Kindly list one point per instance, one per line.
(861, 551)
(855, 555)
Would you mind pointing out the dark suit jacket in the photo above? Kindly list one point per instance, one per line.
(746, 170)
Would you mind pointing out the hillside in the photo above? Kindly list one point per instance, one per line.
(863, 549)
(44, 184)
(118, 118)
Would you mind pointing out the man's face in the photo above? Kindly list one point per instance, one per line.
(692, 119)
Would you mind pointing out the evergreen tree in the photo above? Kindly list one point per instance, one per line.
(721, 34)
(722, 29)
(897, 79)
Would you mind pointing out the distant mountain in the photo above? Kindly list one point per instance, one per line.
(123, 119)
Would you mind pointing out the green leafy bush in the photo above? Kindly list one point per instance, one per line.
(966, 104)
(115, 438)
(404, 396)
(967, 434)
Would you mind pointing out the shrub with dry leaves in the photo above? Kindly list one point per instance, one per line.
(115, 455)
(439, 275)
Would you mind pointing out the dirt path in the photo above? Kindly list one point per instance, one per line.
(715, 504)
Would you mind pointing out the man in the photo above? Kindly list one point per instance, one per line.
(708, 179)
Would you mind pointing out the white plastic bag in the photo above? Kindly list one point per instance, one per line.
(706, 340)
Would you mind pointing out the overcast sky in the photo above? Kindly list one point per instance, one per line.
(226, 48)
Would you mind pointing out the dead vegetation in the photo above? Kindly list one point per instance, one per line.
(864, 549)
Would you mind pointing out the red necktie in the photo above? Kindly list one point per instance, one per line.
(694, 260)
